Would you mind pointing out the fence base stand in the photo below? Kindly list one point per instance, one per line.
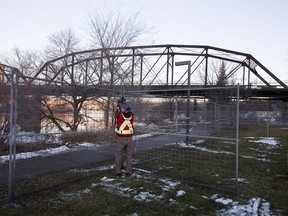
(282, 176)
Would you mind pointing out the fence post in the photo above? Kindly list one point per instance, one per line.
(237, 139)
(13, 131)
(176, 115)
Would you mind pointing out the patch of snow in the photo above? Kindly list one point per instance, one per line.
(259, 159)
(70, 196)
(81, 170)
(243, 180)
(140, 124)
(89, 144)
(142, 170)
(136, 137)
(133, 214)
(39, 153)
(169, 184)
(152, 126)
(184, 145)
(107, 179)
(255, 206)
(146, 197)
(199, 141)
(30, 137)
(222, 200)
(270, 141)
(180, 193)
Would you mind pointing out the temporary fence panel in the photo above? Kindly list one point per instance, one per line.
(198, 145)
(189, 134)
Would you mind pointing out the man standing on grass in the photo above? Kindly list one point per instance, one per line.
(124, 130)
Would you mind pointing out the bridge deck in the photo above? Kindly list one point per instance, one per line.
(260, 92)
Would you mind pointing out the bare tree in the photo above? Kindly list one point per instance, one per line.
(211, 75)
(4, 121)
(112, 29)
(62, 43)
(27, 61)
(105, 30)
(108, 29)
(66, 113)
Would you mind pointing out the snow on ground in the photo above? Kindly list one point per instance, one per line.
(40, 153)
(25, 137)
(184, 145)
(107, 167)
(255, 206)
(50, 151)
(115, 185)
(180, 193)
(270, 142)
(85, 144)
(137, 137)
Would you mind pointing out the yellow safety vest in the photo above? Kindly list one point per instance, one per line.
(125, 123)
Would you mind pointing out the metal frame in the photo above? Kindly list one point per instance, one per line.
(93, 65)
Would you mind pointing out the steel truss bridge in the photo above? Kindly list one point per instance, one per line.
(150, 68)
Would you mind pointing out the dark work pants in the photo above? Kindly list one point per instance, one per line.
(123, 145)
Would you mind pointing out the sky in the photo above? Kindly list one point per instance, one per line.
(257, 27)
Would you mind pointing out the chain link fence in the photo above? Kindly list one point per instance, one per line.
(200, 133)
(187, 134)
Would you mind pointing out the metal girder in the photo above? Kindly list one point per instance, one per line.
(148, 64)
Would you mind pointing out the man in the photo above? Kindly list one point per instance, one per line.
(124, 130)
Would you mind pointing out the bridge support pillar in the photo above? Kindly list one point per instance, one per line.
(29, 117)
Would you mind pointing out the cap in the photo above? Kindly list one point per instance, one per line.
(126, 107)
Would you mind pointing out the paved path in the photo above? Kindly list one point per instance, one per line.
(26, 168)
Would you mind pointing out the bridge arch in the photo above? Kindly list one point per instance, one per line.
(153, 66)
(147, 68)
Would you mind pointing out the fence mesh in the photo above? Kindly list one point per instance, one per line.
(187, 134)
(196, 145)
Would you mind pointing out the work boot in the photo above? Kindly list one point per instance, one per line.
(128, 174)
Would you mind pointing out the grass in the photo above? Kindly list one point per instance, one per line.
(155, 192)
(99, 137)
